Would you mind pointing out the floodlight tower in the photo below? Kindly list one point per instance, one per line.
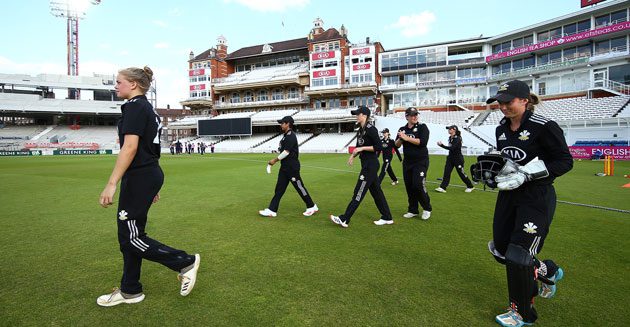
(72, 10)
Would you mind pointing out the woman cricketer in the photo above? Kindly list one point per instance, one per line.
(138, 170)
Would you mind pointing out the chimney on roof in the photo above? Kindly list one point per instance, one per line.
(343, 31)
(221, 47)
(191, 55)
(367, 40)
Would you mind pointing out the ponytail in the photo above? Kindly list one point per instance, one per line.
(532, 101)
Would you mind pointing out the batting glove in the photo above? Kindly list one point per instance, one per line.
(517, 175)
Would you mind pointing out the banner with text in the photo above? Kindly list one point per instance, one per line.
(323, 55)
(79, 152)
(361, 67)
(587, 152)
(559, 41)
(324, 73)
(20, 153)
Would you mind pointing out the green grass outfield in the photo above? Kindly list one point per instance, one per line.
(60, 251)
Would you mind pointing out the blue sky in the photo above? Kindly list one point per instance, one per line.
(160, 34)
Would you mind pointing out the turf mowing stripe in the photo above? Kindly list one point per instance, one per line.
(453, 185)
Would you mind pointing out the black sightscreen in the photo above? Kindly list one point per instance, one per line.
(224, 127)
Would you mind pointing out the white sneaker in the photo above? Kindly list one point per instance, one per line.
(426, 214)
(188, 278)
(441, 190)
(395, 183)
(116, 298)
(267, 213)
(468, 190)
(381, 222)
(410, 215)
(338, 221)
(311, 211)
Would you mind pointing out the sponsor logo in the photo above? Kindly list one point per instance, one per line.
(524, 135)
(324, 73)
(503, 88)
(293, 179)
(502, 137)
(360, 141)
(361, 177)
(530, 228)
(421, 174)
(323, 55)
(514, 153)
(361, 67)
(360, 51)
(122, 215)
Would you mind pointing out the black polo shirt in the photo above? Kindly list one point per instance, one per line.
(368, 136)
(454, 149)
(412, 151)
(289, 143)
(536, 137)
(139, 118)
(387, 145)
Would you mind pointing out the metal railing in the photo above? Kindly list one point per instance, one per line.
(219, 104)
(612, 85)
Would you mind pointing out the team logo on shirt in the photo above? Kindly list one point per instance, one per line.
(122, 215)
(384, 145)
(360, 141)
(293, 179)
(502, 137)
(524, 136)
(421, 174)
(530, 228)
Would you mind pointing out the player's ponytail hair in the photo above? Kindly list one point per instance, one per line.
(532, 101)
(141, 76)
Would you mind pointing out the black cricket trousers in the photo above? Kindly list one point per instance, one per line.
(368, 181)
(137, 190)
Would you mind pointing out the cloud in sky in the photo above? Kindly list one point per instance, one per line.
(8, 66)
(271, 5)
(160, 23)
(415, 24)
(161, 45)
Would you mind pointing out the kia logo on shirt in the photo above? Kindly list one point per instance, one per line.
(323, 55)
(361, 67)
(514, 153)
(324, 73)
(360, 51)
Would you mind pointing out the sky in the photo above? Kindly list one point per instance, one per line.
(116, 34)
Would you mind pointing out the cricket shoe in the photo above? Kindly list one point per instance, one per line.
(189, 277)
(469, 189)
(511, 319)
(441, 190)
(338, 221)
(382, 222)
(394, 183)
(548, 291)
(267, 213)
(426, 215)
(409, 215)
(311, 211)
(117, 297)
